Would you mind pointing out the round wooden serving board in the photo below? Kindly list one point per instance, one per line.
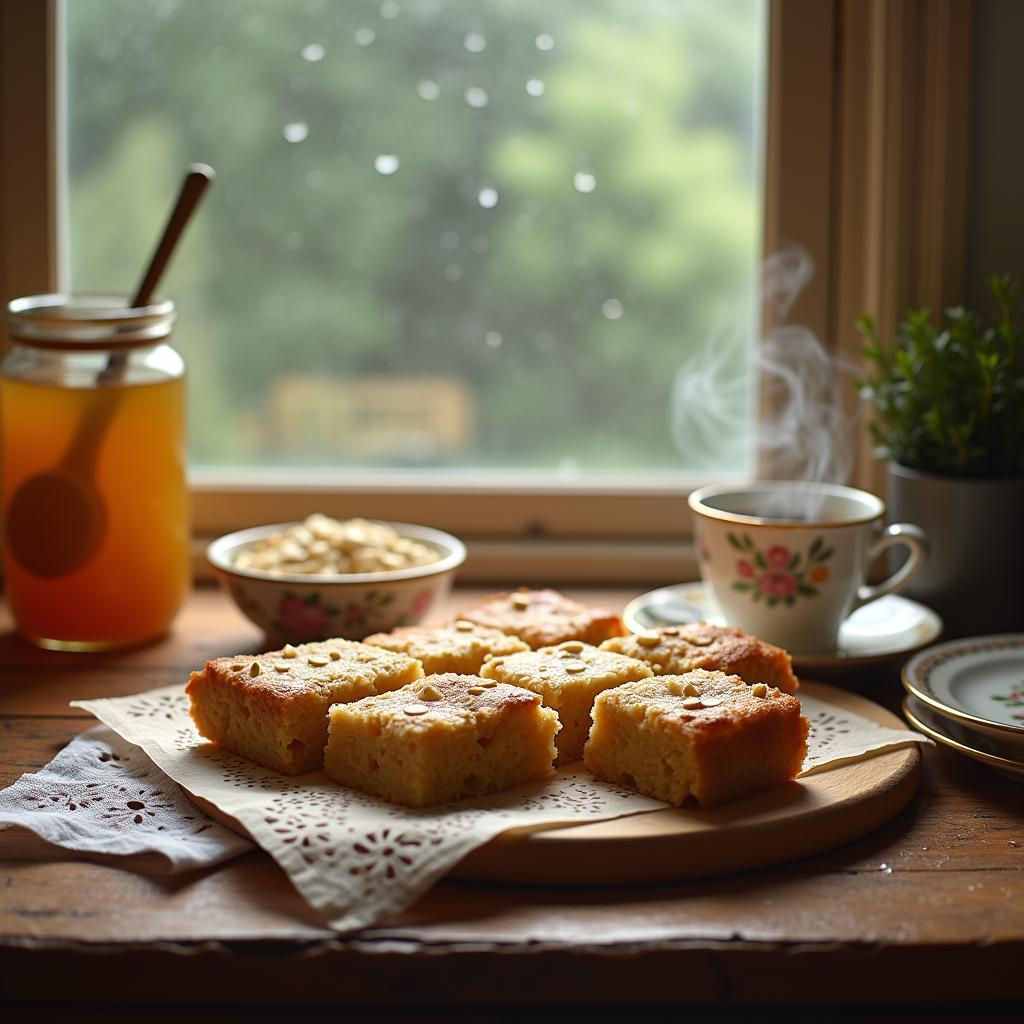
(781, 824)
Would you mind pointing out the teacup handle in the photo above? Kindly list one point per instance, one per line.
(912, 537)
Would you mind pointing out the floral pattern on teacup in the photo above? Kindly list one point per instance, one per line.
(778, 575)
(703, 551)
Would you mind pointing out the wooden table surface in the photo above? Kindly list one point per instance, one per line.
(940, 935)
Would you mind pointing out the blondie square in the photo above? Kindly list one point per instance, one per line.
(673, 650)
(460, 647)
(544, 618)
(703, 734)
(568, 678)
(446, 737)
(272, 708)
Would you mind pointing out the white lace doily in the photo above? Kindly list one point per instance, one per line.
(838, 736)
(356, 859)
(102, 795)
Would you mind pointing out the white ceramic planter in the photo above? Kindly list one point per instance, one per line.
(974, 575)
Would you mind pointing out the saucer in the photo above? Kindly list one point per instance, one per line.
(957, 736)
(884, 629)
(979, 682)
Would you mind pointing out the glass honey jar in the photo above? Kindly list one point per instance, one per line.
(92, 457)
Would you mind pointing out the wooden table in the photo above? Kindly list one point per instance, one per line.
(943, 932)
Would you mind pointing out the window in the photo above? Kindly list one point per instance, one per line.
(865, 142)
(492, 236)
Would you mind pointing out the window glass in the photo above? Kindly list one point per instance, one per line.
(512, 234)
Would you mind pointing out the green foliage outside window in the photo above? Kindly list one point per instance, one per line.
(565, 226)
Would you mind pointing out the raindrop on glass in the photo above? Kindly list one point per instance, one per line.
(535, 87)
(487, 198)
(474, 42)
(449, 240)
(452, 272)
(296, 131)
(385, 163)
(583, 182)
(390, 9)
(313, 53)
(427, 89)
(612, 309)
(365, 36)
(477, 97)
(492, 339)
(544, 41)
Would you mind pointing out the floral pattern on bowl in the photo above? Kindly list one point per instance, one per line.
(779, 575)
(294, 617)
(292, 609)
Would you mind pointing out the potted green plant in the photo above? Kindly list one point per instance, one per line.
(948, 398)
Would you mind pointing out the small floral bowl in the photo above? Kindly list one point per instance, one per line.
(294, 608)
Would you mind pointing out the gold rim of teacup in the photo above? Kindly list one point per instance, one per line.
(698, 498)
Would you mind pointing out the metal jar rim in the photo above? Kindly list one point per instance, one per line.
(87, 322)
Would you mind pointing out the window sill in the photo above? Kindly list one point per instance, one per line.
(634, 508)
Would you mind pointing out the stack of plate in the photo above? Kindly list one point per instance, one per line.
(969, 695)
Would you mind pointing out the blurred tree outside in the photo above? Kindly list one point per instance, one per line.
(553, 204)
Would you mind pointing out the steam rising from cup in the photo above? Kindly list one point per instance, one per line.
(788, 389)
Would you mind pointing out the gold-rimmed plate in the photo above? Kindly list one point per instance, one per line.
(978, 682)
(959, 737)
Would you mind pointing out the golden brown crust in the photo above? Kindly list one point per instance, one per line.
(460, 647)
(272, 707)
(724, 701)
(673, 650)
(543, 618)
(448, 697)
(441, 738)
(311, 667)
(568, 677)
(703, 734)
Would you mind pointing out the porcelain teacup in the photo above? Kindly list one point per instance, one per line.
(787, 561)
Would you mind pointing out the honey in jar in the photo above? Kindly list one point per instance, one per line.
(92, 455)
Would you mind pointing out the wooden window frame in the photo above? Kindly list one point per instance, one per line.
(866, 113)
